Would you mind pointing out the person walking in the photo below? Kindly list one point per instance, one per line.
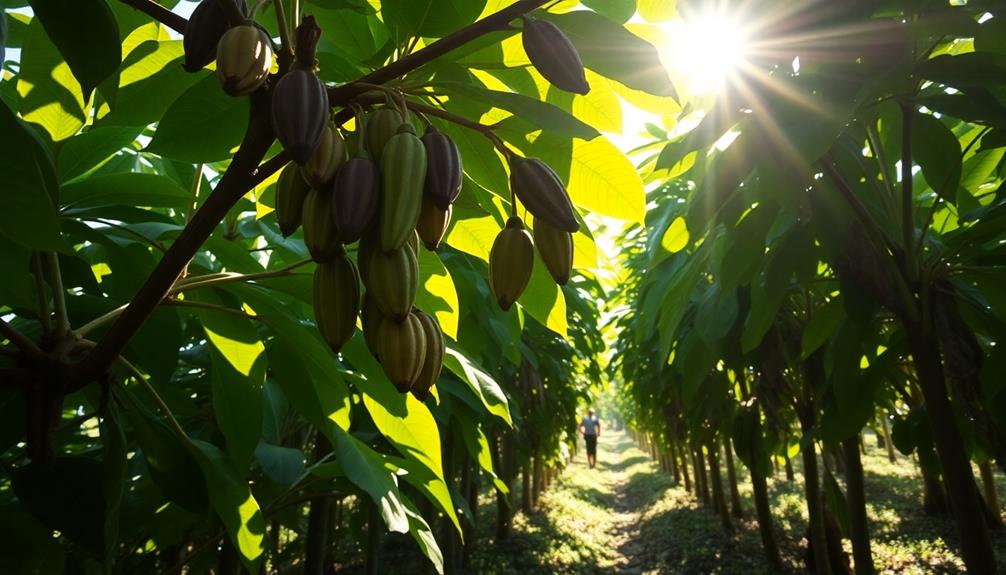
(591, 429)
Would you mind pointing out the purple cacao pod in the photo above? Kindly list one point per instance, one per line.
(299, 113)
(443, 168)
(355, 192)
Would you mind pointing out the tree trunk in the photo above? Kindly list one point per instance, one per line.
(318, 520)
(934, 496)
(673, 462)
(700, 474)
(976, 546)
(735, 494)
(859, 530)
(683, 465)
(525, 500)
(537, 478)
(790, 476)
(503, 448)
(815, 509)
(888, 442)
(717, 483)
(374, 532)
(991, 497)
(764, 512)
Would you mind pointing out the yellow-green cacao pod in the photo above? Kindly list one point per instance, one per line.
(336, 300)
(321, 167)
(403, 175)
(244, 56)
(434, 360)
(552, 54)
(556, 250)
(382, 124)
(432, 223)
(203, 31)
(370, 319)
(541, 191)
(355, 194)
(300, 113)
(291, 190)
(443, 168)
(392, 279)
(402, 348)
(511, 260)
(319, 229)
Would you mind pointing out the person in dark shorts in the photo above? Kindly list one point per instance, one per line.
(591, 429)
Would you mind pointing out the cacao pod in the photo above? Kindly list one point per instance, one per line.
(432, 223)
(392, 278)
(291, 190)
(371, 318)
(299, 113)
(355, 194)
(319, 230)
(403, 175)
(511, 260)
(321, 167)
(382, 125)
(443, 168)
(402, 348)
(552, 54)
(541, 191)
(203, 31)
(413, 242)
(556, 249)
(244, 56)
(336, 300)
(434, 360)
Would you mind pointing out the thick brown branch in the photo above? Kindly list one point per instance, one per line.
(159, 13)
(341, 95)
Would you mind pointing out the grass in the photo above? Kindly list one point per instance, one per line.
(627, 516)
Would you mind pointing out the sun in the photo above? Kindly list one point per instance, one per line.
(705, 50)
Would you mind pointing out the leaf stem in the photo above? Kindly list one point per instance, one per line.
(26, 345)
(156, 397)
(284, 30)
(43, 298)
(58, 294)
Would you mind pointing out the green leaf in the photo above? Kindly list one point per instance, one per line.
(431, 18)
(233, 502)
(612, 51)
(88, 151)
(66, 495)
(86, 34)
(603, 181)
(480, 382)
(26, 545)
(478, 447)
(29, 216)
(543, 300)
(676, 237)
(436, 295)
(821, 325)
(203, 125)
(147, 190)
(985, 69)
(284, 465)
(432, 487)
(363, 466)
(151, 78)
(237, 396)
(938, 153)
(50, 95)
(616, 10)
(423, 534)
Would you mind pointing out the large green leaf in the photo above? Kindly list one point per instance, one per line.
(428, 17)
(50, 95)
(938, 153)
(124, 188)
(237, 394)
(480, 382)
(203, 125)
(88, 151)
(436, 295)
(366, 470)
(86, 33)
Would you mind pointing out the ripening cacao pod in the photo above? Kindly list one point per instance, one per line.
(371, 318)
(244, 56)
(402, 348)
(299, 113)
(321, 167)
(355, 193)
(403, 175)
(382, 125)
(432, 223)
(203, 31)
(541, 191)
(336, 300)
(552, 54)
(319, 230)
(392, 278)
(291, 190)
(434, 360)
(511, 260)
(443, 168)
(556, 249)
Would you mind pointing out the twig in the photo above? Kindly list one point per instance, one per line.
(156, 397)
(159, 13)
(197, 183)
(286, 48)
(43, 298)
(26, 345)
(58, 294)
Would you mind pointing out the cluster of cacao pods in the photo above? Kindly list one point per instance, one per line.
(244, 53)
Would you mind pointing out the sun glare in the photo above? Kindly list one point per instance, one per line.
(704, 51)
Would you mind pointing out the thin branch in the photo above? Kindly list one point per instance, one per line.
(43, 298)
(156, 245)
(26, 345)
(159, 13)
(58, 294)
(156, 397)
(211, 306)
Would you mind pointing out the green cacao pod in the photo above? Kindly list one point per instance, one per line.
(401, 346)
(336, 300)
(319, 230)
(511, 260)
(552, 54)
(403, 175)
(392, 278)
(355, 193)
(299, 113)
(556, 249)
(203, 31)
(244, 56)
(382, 124)
(371, 318)
(291, 191)
(541, 191)
(433, 223)
(434, 359)
(443, 168)
(320, 169)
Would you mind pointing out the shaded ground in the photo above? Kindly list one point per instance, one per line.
(628, 517)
